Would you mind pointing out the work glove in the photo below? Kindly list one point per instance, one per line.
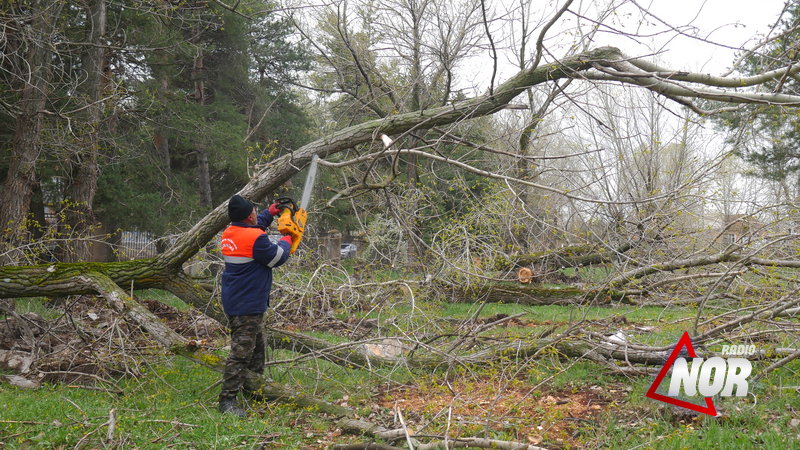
(273, 209)
(287, 239)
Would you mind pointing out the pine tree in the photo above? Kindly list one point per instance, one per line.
(769, 136)
(215, 102)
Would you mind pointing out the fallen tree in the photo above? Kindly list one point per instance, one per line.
(569, 256)
(532, 294)
(164, 271)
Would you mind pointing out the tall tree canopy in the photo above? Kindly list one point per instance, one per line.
(141, 115)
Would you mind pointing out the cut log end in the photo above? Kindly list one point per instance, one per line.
(525, 275)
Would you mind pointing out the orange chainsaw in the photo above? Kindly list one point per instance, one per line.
(292, 219)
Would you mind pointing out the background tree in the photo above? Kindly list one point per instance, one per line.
(215, 106)
(27, 73)
(767, 135)
(383, 58)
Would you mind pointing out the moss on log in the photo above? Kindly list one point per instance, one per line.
(61, 278)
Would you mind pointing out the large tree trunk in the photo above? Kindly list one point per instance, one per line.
(84, 179)
(204, 177)
(20, 182)
(161, 135)
(203, 171)
(415, 251)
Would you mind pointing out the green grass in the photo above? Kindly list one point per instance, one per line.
(744, 424)
(36, 305)
(174, 400)
(172, 390)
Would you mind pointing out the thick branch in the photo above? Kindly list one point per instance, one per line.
(711, 80)
(697, 261)
(531, 294)
(347, 353)
(60, 278)
(571, 256)
(640, 272)
(282, 169)
(629, 74)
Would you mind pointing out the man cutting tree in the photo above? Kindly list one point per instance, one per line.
(246, 283)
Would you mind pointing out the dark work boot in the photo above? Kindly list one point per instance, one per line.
(229, 406)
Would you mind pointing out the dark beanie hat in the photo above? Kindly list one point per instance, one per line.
(239, 208)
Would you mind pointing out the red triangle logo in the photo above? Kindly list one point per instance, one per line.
(685, 341)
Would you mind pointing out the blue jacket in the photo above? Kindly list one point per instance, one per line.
(249, 259)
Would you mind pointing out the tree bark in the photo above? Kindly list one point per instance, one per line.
(20, 181)
(84, 179)
(203, 171)
(532, 295)
(161, 135)
(204, 177)
(570, 256)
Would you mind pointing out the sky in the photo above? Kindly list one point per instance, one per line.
(718, 27)
(735, 23)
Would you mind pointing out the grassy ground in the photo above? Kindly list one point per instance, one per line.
(173, 404)
(549, 401)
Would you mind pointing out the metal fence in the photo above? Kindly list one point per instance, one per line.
(136, 244)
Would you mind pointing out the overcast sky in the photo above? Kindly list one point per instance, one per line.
(733, 23)
(720, 27)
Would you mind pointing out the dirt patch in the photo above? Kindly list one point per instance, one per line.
(556, 418)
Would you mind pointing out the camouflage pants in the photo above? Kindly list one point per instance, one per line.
(247, 352)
